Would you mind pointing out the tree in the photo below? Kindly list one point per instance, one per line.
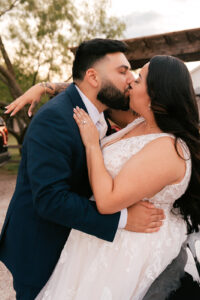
(35, 42)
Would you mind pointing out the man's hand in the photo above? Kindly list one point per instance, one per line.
(32, 97)
(144, 217)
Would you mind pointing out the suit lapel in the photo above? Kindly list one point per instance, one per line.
(73, 94)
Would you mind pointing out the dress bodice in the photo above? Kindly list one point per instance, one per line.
(120, 151)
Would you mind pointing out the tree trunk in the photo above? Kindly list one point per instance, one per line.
(7, 76)
(8, 73)
(12, 84)
(6, 58)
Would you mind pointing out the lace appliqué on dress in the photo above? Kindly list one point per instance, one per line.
(90, 268)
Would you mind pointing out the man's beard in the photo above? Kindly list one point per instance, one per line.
(113, 97)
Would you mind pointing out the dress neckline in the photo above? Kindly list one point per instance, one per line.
(118, 136)
(115, 141)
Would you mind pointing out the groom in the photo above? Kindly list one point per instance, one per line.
(52, 189)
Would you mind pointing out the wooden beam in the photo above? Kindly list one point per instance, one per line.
(183, 44)
(135, 64)
(168, 40)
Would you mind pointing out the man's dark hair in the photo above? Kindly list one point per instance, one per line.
(89, 52)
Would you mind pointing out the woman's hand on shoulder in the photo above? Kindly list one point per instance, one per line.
(88, 130)
(32, 96)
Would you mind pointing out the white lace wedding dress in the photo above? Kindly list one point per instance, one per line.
(92, 269)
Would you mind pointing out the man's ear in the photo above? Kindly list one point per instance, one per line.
(91, 76)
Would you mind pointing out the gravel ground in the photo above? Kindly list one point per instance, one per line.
(7, 185)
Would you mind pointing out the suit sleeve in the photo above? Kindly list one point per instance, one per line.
(49, 163)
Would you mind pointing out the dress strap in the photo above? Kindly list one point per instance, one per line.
(119, 134)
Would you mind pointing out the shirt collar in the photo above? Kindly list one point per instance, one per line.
(91, 108)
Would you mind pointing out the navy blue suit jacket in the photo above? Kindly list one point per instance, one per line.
(51, 194)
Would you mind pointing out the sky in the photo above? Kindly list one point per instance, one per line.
(148, 17)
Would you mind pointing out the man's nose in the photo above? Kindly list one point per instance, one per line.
(131, 77)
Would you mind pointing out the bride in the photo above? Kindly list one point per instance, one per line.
(156, 157)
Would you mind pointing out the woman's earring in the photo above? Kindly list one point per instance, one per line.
(149, 106)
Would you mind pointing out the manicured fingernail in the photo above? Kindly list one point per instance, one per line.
(5, 112)
(30, 115)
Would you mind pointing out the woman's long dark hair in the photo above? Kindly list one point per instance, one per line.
(175, 110)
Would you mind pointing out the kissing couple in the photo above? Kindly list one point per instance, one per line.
(99, 216)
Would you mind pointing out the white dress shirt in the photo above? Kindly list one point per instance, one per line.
(100, 123)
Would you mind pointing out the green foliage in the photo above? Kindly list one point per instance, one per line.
(42, 31)
(11, 167)
(24, 79)
(35, 38)
(96, 23)
(5, 96)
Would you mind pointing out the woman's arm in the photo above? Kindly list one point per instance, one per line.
(33, 96)
(144, 175)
